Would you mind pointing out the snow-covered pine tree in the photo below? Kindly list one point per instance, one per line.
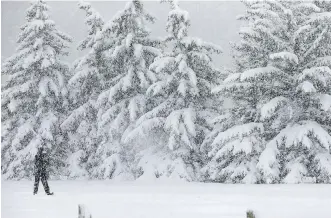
(132, 51)
(183, 93)
(262, 35)
(85, 85)
(300, 152)
(93, 21)
(313, 45)
(34, 97)
(238, 137)
(324, 5)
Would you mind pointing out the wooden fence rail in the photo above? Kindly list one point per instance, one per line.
(84, 213)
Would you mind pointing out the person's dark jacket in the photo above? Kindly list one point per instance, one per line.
(41, 164)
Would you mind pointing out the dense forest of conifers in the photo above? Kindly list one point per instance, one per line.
(135, 106)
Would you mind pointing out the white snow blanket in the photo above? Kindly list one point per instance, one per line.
(165, 200)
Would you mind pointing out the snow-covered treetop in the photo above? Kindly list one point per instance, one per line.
(189, 62)
(132, 48)
(178, 22)
(39, 42)
(325, 5)
(314, 36)
(128, 37)
(37, 11)
(36, 61)
(89, 70)
(130, 53)
(272, 10)
(93, 21)
(128, 21)
(269, 24)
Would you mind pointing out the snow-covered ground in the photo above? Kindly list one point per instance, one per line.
(165, 200)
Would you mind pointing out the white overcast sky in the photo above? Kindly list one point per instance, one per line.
(213, 21)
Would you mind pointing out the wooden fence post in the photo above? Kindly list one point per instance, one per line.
(82, 212)
(250, 214)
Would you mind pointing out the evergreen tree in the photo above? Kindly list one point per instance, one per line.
(263, 35)
(131, 52)
(90, 73)
(34, 97)
(181, 97)
(239, 134)
(325, 5)
(300, 152)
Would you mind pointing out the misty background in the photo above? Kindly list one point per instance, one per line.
(212, 21)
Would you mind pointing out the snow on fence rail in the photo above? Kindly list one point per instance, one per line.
(84, 213)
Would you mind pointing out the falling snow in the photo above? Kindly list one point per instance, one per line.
(135, 107)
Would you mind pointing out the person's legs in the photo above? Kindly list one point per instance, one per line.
(45, 184)
(36, 183)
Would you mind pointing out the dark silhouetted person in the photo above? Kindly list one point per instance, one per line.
(41, 164)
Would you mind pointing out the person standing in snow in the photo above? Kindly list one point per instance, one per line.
(41, 164)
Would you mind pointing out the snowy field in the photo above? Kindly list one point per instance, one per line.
(160, 200)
